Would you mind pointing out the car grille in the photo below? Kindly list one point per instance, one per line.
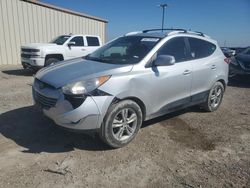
(42, 100)
(29, 55)
(45, 102)
(30, 50)
(41, 85)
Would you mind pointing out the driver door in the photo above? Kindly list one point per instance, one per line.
(171, 85)
(77, 49)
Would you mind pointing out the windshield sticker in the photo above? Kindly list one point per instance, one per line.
(150, 39)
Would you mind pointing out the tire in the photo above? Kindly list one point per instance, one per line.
(116, 130)
(214, 98)
(50, 61)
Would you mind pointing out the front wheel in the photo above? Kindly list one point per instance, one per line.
(50, 61)
(214, 98)
(121, 123)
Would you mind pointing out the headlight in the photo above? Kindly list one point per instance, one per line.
(83, 87)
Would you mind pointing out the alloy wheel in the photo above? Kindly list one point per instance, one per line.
(124, 124)
(216, 96)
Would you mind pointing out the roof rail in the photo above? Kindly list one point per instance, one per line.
(165, 29)
(199, 33)
(132, 33)
(174, 29)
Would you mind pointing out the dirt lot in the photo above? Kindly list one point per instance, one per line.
(189, 148)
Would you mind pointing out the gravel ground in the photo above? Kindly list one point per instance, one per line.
(189, 148)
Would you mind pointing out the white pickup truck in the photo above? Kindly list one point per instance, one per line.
(38, 55)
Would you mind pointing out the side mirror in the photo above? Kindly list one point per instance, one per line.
(164, 60)
(71, 43)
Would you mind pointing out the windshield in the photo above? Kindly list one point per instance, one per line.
(60, 40)
(124, 50)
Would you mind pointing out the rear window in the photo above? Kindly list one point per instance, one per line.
(93, 41)
(200, 48)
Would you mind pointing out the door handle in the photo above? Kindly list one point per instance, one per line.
(187, 72)
(213, 67)
(83, 49)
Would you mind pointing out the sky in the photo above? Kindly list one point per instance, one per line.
(227, 21)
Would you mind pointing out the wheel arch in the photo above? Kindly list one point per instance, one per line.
(57, 56)
(223, 82)
(136, 100)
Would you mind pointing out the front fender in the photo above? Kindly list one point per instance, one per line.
(53, 50)
(131, 87)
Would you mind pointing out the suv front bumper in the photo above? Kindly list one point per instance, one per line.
(88, 116)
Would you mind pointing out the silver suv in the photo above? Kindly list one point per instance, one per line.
(133, 78)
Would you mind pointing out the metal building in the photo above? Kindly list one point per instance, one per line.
(29, 21)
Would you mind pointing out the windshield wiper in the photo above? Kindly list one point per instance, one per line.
(98, 59)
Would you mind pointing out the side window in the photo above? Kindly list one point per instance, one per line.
(175, 47)
(200, 48)
(93, 41)
(78, 41)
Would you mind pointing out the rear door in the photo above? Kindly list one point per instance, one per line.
(204, 66)
(93, 43)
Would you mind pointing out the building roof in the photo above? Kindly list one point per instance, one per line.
(65, 10)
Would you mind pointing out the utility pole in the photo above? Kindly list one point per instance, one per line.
(163, 6)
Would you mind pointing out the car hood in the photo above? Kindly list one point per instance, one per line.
(243, 58)
(38, 45)
(65, 72)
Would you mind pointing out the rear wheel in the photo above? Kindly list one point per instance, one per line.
(121, 123)
(214, 98)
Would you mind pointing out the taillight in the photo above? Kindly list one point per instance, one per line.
(227, 60)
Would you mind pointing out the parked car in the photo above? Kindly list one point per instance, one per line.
(228, 52)
(240, 64)
(238, 50)
(134, 78)
(64, 47)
